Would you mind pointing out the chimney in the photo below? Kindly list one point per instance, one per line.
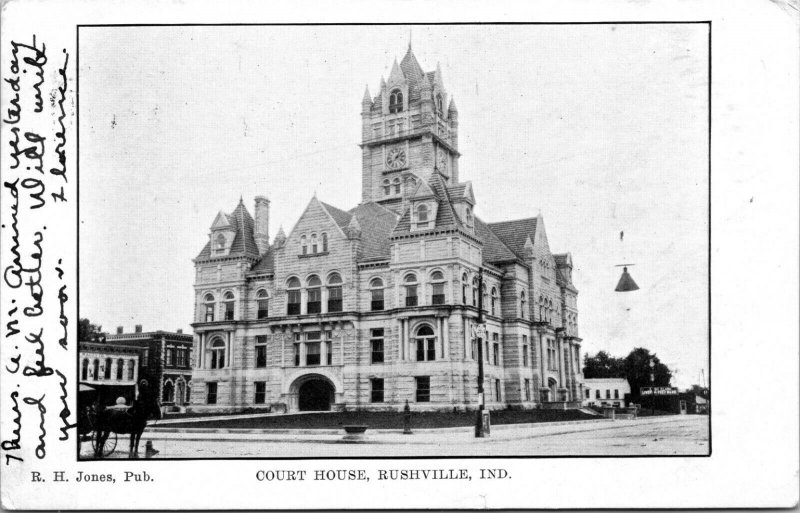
(180, 331)
(138, 328)
(261, 229)
(119, 330)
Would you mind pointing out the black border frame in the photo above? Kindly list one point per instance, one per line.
(465, 457)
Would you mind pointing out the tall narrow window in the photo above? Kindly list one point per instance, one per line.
(616, 393)
(422, 216)
(376, 345)
(297, 350)
(211, 393)
(437, 288)
(120, 369)
(497, 393)
(410, 282)
(494, 301)
(131, 369)
(219, 245)
(396, 183)
(293, 297)
(474, 291)
(496, 349)
(328, 345)
(261, 392)
(314, 244)
(324, 242)
(439, 106)
(426, 344)
(209, 304)
(314, 303)
(525, 355)
(376, 384)
(376, 292)
(217, 354)
(334, 293)
(396, 101)
(469, 217)
(423, 394)
(261, 351)
(262, 301)
(313, 350)
(85, 369)
(522, 304)
(170, 357)
(387, 187)
(527, 389)
(228, 304)
(597, 394)
(303, 245)
(464, 288)
(96, 369)
(107, 369)
(485, 298)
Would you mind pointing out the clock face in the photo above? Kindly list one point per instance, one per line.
(441, 160)
(396, 158)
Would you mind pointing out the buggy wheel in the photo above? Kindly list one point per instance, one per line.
(109, 445)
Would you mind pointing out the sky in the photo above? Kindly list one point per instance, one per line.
(601, 128)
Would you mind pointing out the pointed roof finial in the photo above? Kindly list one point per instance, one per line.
(410, 33)
(241, 200)
(367, 98)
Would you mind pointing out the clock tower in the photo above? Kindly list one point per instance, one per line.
(409, 131)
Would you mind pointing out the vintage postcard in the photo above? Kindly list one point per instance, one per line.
(461, 256)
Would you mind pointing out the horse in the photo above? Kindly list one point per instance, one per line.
(131, 421)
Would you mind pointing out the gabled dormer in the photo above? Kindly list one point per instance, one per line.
(463, 200)
(424, 208)
(223, 231)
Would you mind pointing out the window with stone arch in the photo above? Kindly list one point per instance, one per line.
(522, 304)
(168, 395)
(314, 302)
(475, 291)
(422, 215)
(334, 292)
(396, 101)
(209, 303)
(426, 343)
(387, 187)
(464, 288)
(96, 369)
(217, 353)
(293, 296)
(485, 294)
(376, 294)
(107, 369)
(314, 247)
(85, 369)
(324, 242)
(396, 183)
(219, 242)
(437, 288)
(262, 303)
(228, 303)
(410, 284)
(494, 301)
(131, 369)
(120, 369)
(303, 245)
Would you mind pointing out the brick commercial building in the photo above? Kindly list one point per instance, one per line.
(166, 362)
(374, 306)
(111, 369)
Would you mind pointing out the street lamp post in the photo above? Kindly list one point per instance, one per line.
(479, 431)
(652, 387)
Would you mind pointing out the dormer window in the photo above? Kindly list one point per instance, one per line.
(469, 216)
(422, 216)
(396, 101)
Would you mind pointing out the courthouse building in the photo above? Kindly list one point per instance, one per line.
(373, 306)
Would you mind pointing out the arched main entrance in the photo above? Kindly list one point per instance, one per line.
(315, 394)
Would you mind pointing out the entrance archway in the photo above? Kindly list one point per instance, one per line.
(315, 394)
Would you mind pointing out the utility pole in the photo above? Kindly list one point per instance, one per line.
(480, 330)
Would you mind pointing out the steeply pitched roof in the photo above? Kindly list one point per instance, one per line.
(494, 250)
(376, 224)
(446, 216)
(515, 233)
(341, 217)
(243, 242)
(266, 264)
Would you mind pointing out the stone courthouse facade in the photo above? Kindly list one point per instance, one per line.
(375, 306)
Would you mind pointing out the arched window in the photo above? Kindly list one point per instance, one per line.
(396, 101)
(85, 369)
(293, 296)
(107, 369)
(314, 303)
(314, 244)
(324, 242)
(376, 292)
(168, 395)
(303, 245)
(410, 283)
(522, 304)
(387, 187)
(96, 369)
(219, 243)
(334, 293)
(426, 344)
(494, 301)
(464, 288)
(396, 183)
(262, 300)
(131, 370)
(422, 215)
(437, 288)
(217, 354)
(227, 305)
(469, 217)
(474, 291)
(208, 301)
(485, 294)
(120, 369)
(439, 106)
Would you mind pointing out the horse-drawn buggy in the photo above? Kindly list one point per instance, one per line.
(101, 424)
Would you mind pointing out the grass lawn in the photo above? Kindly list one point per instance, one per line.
(386, 420)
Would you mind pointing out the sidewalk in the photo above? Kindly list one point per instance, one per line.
(456, 435)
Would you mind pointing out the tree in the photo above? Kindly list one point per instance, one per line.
(88, 332)
(700, 390)
(637, 370)
(603, 365)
